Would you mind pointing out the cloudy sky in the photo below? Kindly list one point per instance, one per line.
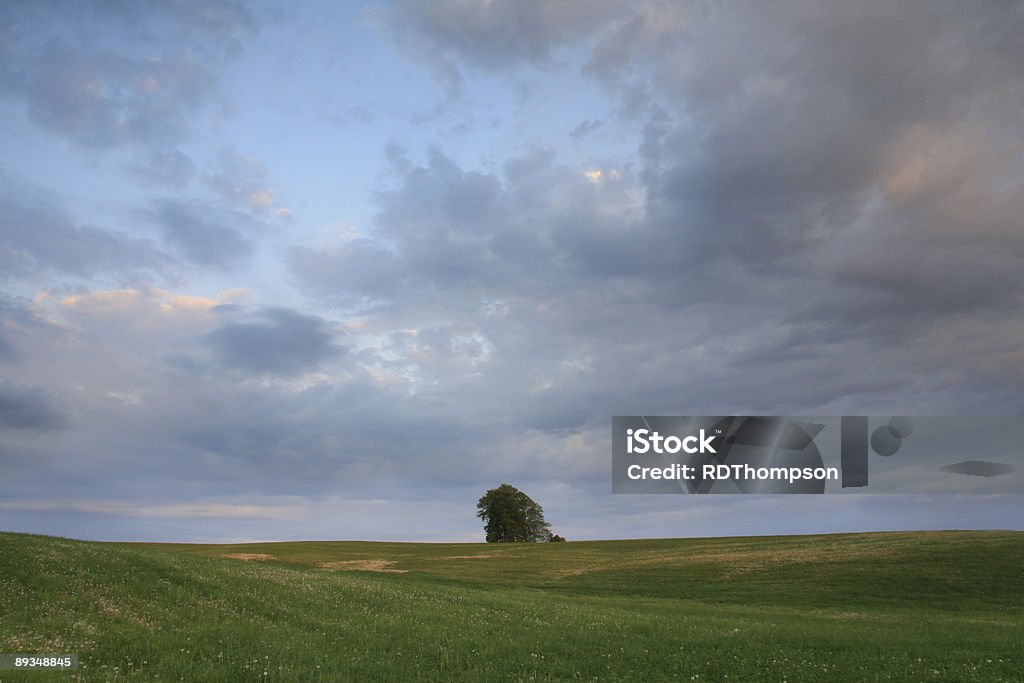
(331, 270)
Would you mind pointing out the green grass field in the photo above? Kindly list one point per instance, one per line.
(935, 606)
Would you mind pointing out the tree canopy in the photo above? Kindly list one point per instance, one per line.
(511, 516)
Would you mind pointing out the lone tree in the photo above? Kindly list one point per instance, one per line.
(511, 516)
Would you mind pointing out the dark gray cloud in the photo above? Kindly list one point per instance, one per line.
(205, 234)
(104, 100)
(783, 151)
(18, 320)
(848, 145)
(278, 342)
(28, 408)
(583, 293)
(156, 64)
(855, 148)
(585, 128)
(438, 230)
(450, 231)
(7, 352)
(817, 192)
(9, 312)
(167, 166)
(242, 181)
(978, 468)
(358, 269)
(491, 35)
(502, 32)
(37, 235)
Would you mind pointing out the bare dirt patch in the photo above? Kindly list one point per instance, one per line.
(386, 566)
(249, 557)
(572, 571)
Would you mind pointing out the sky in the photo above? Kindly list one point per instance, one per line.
(332, 270)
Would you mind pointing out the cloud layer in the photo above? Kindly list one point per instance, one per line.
(550, 213)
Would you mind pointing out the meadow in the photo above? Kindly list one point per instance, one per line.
(919, 606)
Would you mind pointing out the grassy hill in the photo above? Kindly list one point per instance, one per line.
(935, 606)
